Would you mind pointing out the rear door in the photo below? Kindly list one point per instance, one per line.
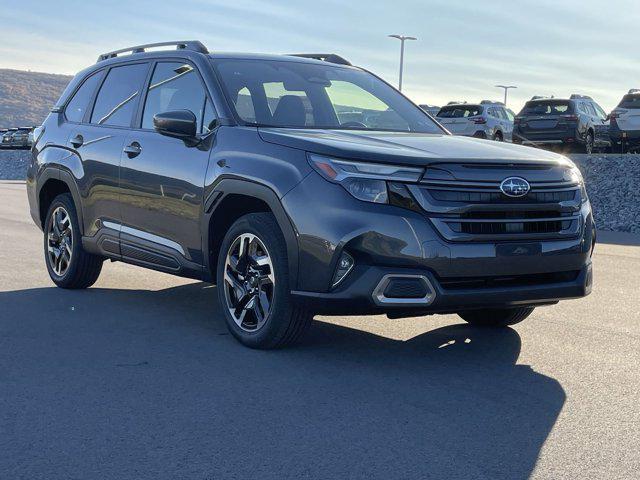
(97, 131)
(163, 184)
(460, 119)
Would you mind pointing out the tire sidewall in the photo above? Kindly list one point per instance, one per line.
(66, 202)
(257, 224)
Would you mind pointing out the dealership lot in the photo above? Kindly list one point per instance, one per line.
(138, 378)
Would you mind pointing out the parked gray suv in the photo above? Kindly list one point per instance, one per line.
(300, 185)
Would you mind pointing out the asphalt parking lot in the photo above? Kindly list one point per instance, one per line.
(138, 378)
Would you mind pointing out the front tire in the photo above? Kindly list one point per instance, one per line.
(496, 317)
(69, 265)
(253, 285)
(589, 143)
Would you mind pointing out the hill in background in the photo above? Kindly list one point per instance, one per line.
(27, 97)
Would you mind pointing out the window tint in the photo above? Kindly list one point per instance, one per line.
(547, 107)
(460, 111)
(118, 96)
(78, 105)
(174, 86)
(590, 110)
(510, 115)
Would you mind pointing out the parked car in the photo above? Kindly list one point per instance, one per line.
(577, 123)
(430, 109)
(20, 138)
(624, 126)
(3, 131)
(236, 169)
(7, 138)
(484, 120)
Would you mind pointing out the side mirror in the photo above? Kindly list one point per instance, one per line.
(180, 124)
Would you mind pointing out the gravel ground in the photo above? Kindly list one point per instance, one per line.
(612, 183)
(13, 164)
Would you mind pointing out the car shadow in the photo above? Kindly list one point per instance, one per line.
(104, 383)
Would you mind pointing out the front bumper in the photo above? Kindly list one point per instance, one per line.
(357, 297)
(390, 240)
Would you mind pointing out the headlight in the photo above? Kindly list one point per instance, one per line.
(573, 174)
(367, 181)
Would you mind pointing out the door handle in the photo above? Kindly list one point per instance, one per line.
(77, 141)
(133, 149)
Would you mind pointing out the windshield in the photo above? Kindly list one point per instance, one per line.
(546, 107)
(304, 95)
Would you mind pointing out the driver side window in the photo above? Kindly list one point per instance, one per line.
(174, 86)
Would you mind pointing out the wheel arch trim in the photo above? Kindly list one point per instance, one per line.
(229, 185)
(62, 175)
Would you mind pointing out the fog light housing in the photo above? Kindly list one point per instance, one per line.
(345, 265)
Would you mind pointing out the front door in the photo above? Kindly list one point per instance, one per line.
(162, 179)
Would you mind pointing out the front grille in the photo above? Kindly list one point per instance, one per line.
(498, 197)
(508, 281)
(474, 209)
(500, 227)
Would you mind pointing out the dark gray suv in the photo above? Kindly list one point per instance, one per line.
(300, 185)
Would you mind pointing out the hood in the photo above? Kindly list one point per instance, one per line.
(404, 147)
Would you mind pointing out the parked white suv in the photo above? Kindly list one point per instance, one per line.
(487, 119)
(624, 126)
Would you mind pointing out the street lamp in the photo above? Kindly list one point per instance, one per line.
(506, 88)
(402, 39)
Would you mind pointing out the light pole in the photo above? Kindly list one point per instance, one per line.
(506, 88)
(402, 39)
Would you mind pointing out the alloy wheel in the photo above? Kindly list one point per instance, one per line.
(249, 282)
(60, 241)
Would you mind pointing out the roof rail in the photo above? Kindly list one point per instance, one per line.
(456, 102)
(541, 97)
(193, 45)
(633, 90)
(326, 57)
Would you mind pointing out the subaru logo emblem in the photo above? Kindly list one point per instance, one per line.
(515, 187)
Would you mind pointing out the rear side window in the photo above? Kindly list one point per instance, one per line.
(174, 86)
(630, 101)
(460, 111)
(558, 107)
(118, 97)
(78, 105)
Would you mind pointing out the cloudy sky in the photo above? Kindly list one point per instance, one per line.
(464, 47)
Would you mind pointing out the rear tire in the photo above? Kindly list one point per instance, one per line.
(254, 287)
(69, 265)
(498, 137)
(496, 317)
